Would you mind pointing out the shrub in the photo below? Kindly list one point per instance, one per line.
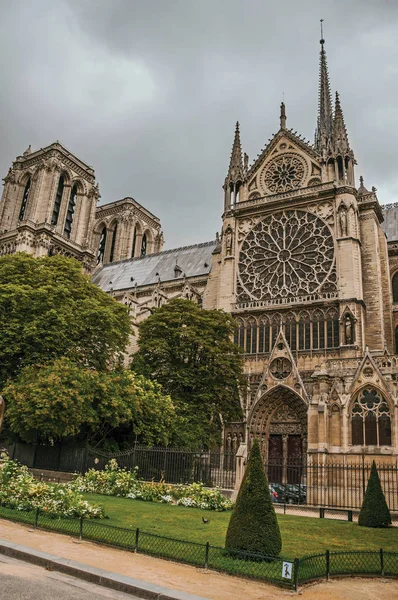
(115, 481)
(253, 526)
(374, 511)
(19, 489)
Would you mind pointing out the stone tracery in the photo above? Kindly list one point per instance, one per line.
(290, 253)
(284, 173)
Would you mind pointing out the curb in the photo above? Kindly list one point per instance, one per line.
(120, 583)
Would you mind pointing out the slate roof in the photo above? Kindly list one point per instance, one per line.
(194, 261)
(390, 223)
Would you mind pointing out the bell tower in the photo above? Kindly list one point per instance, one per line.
(48, 205)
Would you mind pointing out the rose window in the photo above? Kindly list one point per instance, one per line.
(290, 253)
(284, 173)
(280, 368)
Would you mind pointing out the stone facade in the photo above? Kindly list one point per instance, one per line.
(303, 263)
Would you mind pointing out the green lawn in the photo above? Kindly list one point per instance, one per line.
(300, 535)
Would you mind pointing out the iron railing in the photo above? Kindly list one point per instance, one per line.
(282, 571)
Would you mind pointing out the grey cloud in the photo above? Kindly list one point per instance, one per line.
(149, 92)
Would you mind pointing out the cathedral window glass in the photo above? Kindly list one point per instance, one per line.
(370, 420)
(143, 245)
(308, 331)
(71, 211)
(101, 248)
(24, 200)
(58, 200)
(113, 244)
(134, 243)
(395, 288)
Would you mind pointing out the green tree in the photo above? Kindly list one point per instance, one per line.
(374, 511)
(62, 400)
(190, 352)
(253, 526)
(49, 308)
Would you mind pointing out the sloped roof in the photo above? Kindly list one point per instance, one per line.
(194, 261)
(390, 223)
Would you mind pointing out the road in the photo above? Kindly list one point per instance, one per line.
(22, 581)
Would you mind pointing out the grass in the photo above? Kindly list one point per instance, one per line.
(300, 535)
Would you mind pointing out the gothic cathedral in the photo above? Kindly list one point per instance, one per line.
(306, 262)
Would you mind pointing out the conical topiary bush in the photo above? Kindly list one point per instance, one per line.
(374, 511)
(253, 526)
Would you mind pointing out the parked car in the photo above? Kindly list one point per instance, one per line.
(289, 493)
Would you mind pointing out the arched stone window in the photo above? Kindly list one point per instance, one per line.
(101, 248)
(113, 244)
(58, 200)
(251, 337)
(264, 336)
(335, 426)
(24, 200)
(395, 288)
(291, 331)
(304, 332)
(144, 245)
(332, 329)
(370, 420)
(318, 330)
(134, 243)
(239, 337)
(71, 211)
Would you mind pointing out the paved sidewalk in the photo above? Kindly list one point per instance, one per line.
(184, 578)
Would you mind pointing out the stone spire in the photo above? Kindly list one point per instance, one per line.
(341, 144)
(323, 133)
(235, 171)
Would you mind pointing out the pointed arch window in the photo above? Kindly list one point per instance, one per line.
(144, 245)
(58, 200)
(291, 331)
(134, 243)
(264, 336)
(395, 288)
(71, 211)
(24, 200)
(101, 248)
(239, 337)
(304, 332)
(318, 330)
(113, 244)
(370, 420)
(251, 337)
(332, 329)
(396, 340)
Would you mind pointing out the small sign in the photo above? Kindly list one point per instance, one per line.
(287, 569)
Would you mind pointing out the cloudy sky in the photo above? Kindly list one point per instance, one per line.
(148, 91)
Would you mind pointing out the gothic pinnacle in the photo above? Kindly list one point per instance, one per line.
(283, 116)
(235, 171)
(323, 132)
(340, 137)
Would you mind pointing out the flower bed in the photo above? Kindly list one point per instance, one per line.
(114, 481)
(19, 489)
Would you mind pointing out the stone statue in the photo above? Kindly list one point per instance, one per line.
(246, 162)
(348, 330)
(228, 241)
(2, 407)
(343, 221)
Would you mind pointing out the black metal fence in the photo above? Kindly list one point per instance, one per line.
(332, 485)
(286, 572)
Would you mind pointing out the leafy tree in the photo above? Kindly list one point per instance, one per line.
(374, 511)
(253, 526)
(189, 351)
(49, 308)
(60, 400)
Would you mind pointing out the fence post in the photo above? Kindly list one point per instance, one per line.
(321, 513)
(327, 556)
(381, 562)
(81, 528)
(349, 515)
(296, 573)
(36, 517)
(207, 555)
(137, 534)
